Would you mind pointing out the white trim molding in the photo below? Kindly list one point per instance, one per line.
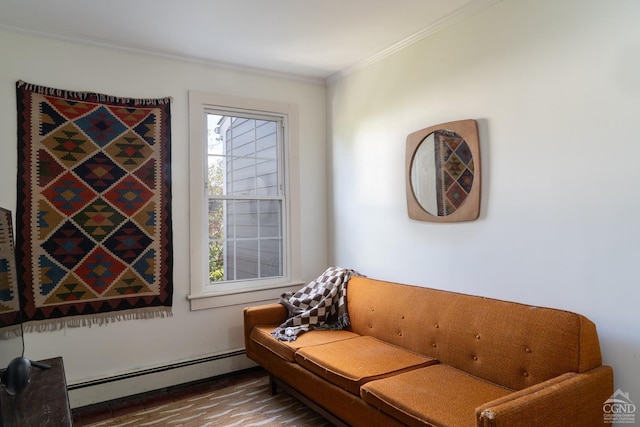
(468, 10)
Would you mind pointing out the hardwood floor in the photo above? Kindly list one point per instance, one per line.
(87, 415)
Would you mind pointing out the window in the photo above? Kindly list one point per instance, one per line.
(240, 219)
(245, 197)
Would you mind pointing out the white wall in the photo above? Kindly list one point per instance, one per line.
(127, 346)
(555, 87)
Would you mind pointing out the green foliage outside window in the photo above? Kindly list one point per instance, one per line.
(216, 225)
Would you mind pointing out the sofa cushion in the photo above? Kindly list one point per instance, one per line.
(351, 363)
(286, 349)
(435, 395)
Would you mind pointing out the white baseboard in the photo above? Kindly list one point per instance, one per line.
(132, 383)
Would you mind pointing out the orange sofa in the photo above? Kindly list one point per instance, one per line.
(425, 357)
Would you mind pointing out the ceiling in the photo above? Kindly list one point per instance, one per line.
(306, 38)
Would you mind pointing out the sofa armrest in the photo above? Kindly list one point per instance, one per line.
(571, 399)
(269, 314)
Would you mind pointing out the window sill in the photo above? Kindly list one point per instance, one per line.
(225, 298)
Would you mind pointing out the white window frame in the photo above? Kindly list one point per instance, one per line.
(202, 294)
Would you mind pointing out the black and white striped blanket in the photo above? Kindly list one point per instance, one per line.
(321, 304)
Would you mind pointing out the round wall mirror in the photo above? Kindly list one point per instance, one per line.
(443, 172)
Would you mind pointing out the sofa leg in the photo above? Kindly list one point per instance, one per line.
(273, 385)
(277, 382)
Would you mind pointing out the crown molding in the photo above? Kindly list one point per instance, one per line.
(224, 66)
(463, 12)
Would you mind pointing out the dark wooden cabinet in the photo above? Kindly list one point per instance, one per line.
(43, 403)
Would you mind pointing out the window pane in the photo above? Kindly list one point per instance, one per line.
(241, 176)
(267, 178)
(215, 175)
(216, 260)
(253, 245)
(216, 224)
(246, 262)
(270, 257)
(265, 129)
(229, 260)
(216, 240)
(255, 259)
(214, 139)
(270, 218)
(244, 218)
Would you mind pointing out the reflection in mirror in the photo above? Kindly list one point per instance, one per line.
(443, 172)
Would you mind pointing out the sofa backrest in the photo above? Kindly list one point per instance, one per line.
(510, 344)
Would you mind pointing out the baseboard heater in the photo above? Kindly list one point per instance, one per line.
(155, 370)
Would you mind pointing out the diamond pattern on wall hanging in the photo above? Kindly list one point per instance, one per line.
(94, 207)
(9, 295)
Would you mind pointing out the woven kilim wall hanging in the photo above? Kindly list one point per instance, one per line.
(94, 239)
(9, 297)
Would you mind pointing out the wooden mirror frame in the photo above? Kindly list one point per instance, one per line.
(469, 210)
